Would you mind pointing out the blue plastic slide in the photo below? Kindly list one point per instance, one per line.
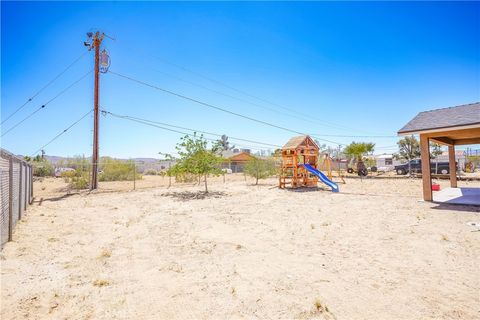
(322, 177)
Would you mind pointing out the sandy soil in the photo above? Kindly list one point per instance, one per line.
(372, 251)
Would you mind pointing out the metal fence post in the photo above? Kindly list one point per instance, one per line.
(25, 193)
(134, 173)
(19, 213)
(10, 199)
(31, 185)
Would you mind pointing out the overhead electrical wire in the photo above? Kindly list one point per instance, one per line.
(291, 114)
(45, 86)
(46, 103)
(216, 107)
(61, 133)
(297, 112)
(352, 136)
(189, 129)
(165, 126)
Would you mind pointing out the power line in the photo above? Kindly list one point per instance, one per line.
(189, 129)
(291, 114)
(352, 136)
(45, 86)
(215, 107)
(61, 133)
(46, 103)
(331, 124)
(164, 127)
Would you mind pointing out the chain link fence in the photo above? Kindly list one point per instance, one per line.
(16, 189)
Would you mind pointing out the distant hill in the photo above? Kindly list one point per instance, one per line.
(142, 164)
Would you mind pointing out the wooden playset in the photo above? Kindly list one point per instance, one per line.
(295, 153)
(327, 164)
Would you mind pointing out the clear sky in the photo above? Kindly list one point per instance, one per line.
(346, 69)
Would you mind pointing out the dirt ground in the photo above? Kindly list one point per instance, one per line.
(372, 251)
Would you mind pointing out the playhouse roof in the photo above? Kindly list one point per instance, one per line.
(296, 142)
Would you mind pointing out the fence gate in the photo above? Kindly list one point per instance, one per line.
(16, 187)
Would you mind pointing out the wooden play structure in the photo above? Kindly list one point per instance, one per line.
(296, 152)
(326, 166)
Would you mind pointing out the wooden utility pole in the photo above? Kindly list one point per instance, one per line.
(96, 42)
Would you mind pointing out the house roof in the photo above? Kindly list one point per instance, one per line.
(295, 142)
(463, 115)
(242, 156)
(384, 156)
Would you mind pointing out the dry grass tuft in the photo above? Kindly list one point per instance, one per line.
(319, 306)
(445, 237)
(106, 253)
(101, 283)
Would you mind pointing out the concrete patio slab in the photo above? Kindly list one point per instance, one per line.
(469, 196)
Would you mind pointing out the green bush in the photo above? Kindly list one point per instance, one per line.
(116, 170)
(80, 176)
(43, 168)
(260, 168)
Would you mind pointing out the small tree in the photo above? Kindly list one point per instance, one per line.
(195, 158)
(357, 150)
(260, 168)
(408, 149)
(435, 151)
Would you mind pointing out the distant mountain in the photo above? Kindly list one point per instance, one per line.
(142, 164)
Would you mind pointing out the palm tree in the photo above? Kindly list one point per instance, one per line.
(223, 144)
(357, 150)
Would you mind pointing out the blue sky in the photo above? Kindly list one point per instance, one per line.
(346, 69)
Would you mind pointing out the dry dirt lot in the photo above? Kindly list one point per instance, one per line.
(372, 251)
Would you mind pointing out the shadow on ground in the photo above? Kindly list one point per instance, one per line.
(456, 207)
(53, 199)
(193, 195)
(305, 189)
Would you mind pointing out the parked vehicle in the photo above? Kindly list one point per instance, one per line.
(416, 167)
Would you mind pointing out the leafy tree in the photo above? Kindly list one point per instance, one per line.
(260, 168)
(357, 150)
(195, 158)
(435, 151)
(408, 149)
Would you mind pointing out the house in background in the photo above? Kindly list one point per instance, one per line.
(386, 162)
(236, 159)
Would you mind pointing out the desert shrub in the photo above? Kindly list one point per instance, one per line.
(79, 177)
(42, 167)
(260, 168)
(151, 172)
(117, 170)
(474, 159)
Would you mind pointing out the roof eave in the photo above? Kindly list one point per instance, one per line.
(440, 129)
